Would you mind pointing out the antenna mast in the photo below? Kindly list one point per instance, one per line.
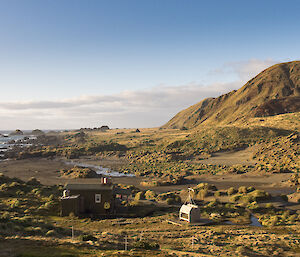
(189, 199)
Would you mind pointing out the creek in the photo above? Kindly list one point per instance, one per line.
(100, 170)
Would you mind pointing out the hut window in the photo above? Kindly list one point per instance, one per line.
(97, 198)
(184, 216)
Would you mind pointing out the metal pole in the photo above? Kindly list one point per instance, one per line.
(192, 242)
(72, 233)
(126, 243)
(141, 235)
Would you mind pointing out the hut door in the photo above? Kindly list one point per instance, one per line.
(81, 207)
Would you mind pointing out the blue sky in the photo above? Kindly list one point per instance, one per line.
(60, 60)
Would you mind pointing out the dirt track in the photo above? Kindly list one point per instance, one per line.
(242, 157)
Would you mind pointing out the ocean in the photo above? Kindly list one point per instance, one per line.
(8, 142)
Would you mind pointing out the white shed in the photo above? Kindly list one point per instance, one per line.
(189, 212)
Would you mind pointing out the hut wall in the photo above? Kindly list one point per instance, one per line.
(88, 203)
(189, 212)
(70, 205)
(194, 215)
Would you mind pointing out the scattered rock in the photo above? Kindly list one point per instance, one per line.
(16, 132)
(104, 128)
(37, 132)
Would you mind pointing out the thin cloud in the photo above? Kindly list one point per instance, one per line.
(243, 70)
(152, 107)
(248, 69)
(157, 97)
(147, 108)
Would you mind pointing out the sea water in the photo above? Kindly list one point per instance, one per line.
(7, 142)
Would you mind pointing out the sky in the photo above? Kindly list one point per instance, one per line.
(67, 64)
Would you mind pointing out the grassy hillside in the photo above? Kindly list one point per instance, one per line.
(274, 91)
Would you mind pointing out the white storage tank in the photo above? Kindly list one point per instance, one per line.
(189, 212)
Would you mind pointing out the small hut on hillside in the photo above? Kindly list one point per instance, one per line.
(87, 199)
(93, 200)
(189, 211)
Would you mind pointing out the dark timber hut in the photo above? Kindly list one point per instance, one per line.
(92, 200)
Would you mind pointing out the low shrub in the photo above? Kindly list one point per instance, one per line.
(284, 197)
(173, 200)
(87, 238)
(33, 182)
(229, 206)
(217, 194)
(286, 214)
(136, 203)
(273, 221)
(235, 198)
(150, 194)
(5, 216)
(206, 186)
(231, 191)
(170, 201)
(165, 196)
(213, 203)
(292, 218)
(143, 244)
(253, 205)
(51, 233)
(32, 231)
(152, 183)
(260, 195)
(242, 190)
(269, 206)
(139, 196)
(202, 194)
(250, 189)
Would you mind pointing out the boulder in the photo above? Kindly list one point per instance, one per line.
(37, 132)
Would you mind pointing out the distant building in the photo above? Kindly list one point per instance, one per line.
(92, 200)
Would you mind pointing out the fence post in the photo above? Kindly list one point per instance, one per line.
(126, 243)
(141, 235)
(193, 242)
(72, 233)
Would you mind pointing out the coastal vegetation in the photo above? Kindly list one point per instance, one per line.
(30, 215)
(236, 155)
(155, 152)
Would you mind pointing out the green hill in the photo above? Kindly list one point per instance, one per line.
(275, 90)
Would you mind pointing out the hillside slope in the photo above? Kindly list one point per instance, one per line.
(275, 90)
